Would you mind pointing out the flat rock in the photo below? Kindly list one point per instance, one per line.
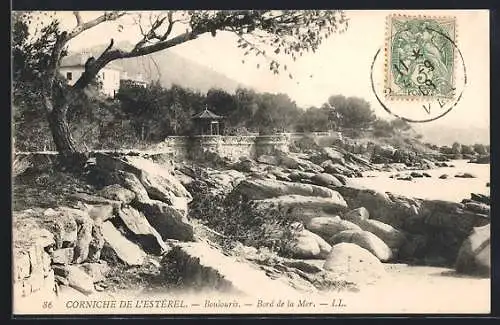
(299, 204)
(138, 224)
(128, 252)
(256, 189)
(206, 268)
(167, 221)
(77, 278)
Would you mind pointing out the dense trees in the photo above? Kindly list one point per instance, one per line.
(351, 112)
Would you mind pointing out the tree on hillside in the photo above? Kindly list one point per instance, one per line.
(480, 149)
(382, 128)
(286, 31)
(456, 148)
(220, 102)
(400, 125)
(314, 120)
(352, 112)
(276, 113)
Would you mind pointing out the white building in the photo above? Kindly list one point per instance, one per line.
(73, 66)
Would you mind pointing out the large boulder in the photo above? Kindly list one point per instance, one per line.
(163, 174)
(269, 160)
(333, 155)
(301, 205)
(308, 245)
(324, 179)
(206, 268)
(256, 189)
(137, 224)
(393, 237)
(117, 192)
(170, 223)
(326, 227)
(127, 251)
(351, 262)
(298, 175)
(474, 256)
(159, 181)
(77, 278)
(291, 161)
(365, 240)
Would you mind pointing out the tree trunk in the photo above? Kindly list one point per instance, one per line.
(69, 156)
(61, 134)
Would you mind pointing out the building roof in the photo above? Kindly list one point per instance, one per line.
(79, 59)
(207, 115)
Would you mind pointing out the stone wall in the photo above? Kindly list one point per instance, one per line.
(231, 147)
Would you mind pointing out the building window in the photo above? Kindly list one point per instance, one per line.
(69, 75)
(103, 76)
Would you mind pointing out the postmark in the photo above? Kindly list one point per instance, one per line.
(420, 57)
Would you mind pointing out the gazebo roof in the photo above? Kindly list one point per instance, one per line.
(207, 115)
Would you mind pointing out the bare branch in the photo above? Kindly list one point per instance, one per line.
(78, 17)
(110, 55)
(99, 20)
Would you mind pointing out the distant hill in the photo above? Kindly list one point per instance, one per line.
(446, 135)
(170, 68)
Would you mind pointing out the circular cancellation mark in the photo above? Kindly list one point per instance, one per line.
(424, 106)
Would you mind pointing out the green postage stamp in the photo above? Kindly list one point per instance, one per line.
(420, 57)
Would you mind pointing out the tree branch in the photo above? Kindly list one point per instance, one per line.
(110, 55)
(78, 17)
(80, 28)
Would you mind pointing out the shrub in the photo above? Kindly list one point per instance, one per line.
(235, 218)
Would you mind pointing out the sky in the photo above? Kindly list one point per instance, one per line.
(340, 66)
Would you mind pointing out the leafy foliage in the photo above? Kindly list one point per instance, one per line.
(351, 112)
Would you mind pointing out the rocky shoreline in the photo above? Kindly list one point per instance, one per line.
(216, 225)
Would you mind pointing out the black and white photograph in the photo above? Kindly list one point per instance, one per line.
(250, 162)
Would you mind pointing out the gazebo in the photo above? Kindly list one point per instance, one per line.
(207, 123)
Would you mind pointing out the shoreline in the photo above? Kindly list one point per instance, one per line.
(451, 189)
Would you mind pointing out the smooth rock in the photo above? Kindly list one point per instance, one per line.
(348, 261)
(393, 237)
(366, 240)
(326, 227)
(324, 179)
(306, 244)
